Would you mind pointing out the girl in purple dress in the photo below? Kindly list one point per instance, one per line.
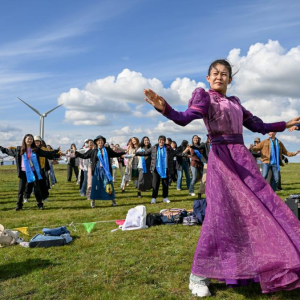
(249, 233)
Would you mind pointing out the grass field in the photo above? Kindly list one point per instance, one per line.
(147, 264)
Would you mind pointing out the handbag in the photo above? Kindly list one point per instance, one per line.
(108, 189)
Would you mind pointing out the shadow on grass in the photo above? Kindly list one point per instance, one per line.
(17, 269)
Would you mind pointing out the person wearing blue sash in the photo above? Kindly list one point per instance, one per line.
(28, 167)
(161, 165)
(102, 183)
(196, 163)
(144, 182)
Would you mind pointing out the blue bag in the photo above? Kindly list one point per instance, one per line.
(199, 208)
(45, 241)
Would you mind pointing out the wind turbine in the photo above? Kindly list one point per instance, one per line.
(42, 116)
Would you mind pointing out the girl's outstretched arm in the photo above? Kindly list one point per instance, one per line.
(8, 151)
(197, 106)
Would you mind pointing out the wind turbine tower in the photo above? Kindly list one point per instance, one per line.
(42, 116)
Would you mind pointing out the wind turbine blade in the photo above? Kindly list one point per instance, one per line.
(30, 107)
(48, 112)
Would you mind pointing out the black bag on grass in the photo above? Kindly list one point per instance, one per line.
(173, 216)
(153, 219)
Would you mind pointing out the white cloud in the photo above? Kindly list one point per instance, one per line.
(267, 70)
(85, 118)
(113, 94)
(169, 127)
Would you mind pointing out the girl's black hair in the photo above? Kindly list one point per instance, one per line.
(162, 137)
(184, 144)
(169, 140)
(50, 147)
(142, 144)
(73, 145)
(223, 62)
(24, 146)
(174, 143)
(198, 144)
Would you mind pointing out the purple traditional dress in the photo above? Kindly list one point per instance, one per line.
(249, 234)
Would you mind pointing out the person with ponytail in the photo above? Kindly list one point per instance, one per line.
(102, 181)
(28, 167)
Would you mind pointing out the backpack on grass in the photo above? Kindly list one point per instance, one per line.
(153, 219)
(173, 216)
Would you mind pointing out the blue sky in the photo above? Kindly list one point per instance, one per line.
(50, 47)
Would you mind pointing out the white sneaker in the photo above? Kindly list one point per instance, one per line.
(25, 200)
(178, 189)
(200, 290)
(46, 200)
(192, 194)
(166, 200)
(153, 201)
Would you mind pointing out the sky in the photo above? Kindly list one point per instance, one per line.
(96, 57)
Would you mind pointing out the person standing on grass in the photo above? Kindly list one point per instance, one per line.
(144, 182)
(29, 168)
(249, 233)
(102, 185)
(131, 166)
(183, 165)
(271, 156)
(118, 163)
(161, 166)
(72, 163)
(196, 163)
(53, 180)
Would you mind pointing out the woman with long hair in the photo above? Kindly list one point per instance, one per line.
(28, 167)
(131, 171)
(196, 163)
(72, 163)
(183, 165)
(144, 182)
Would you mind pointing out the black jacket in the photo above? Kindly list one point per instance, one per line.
(16, 153)
(92, 154)
(204, 150)
(153, 152)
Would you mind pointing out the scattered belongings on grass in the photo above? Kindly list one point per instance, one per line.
(9, 237)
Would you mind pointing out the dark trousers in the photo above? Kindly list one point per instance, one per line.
(82, 178)
(43, 186)
(37, 191)
(70, 171)
(156, 182)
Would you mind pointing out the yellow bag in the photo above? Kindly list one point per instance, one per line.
(109, 189)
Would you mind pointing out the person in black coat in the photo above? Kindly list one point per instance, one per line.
(161, 166)
(28, 167)
(102, 185)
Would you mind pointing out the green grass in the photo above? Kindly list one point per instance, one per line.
(147, 264)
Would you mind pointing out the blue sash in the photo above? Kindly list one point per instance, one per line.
(143, 162)
(161, 162)
(198, 154)
(104, 162)
(28, 170)
(275, 158)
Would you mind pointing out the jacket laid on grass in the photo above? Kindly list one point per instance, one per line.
(16, 153)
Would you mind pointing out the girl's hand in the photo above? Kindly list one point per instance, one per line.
(293, 128)
(155, 100)
(293, 122)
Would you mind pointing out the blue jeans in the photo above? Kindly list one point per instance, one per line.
(84, 184)
(275, 177)
(194, 178)
(185, 169)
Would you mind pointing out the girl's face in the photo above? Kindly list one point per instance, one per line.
(146, 142)
(134, 141)
(38, 143)
(218, 79)
(29, 141)
(91, 144)
(173, 145)
(161, 142)
(100, 143)
(195, 140)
